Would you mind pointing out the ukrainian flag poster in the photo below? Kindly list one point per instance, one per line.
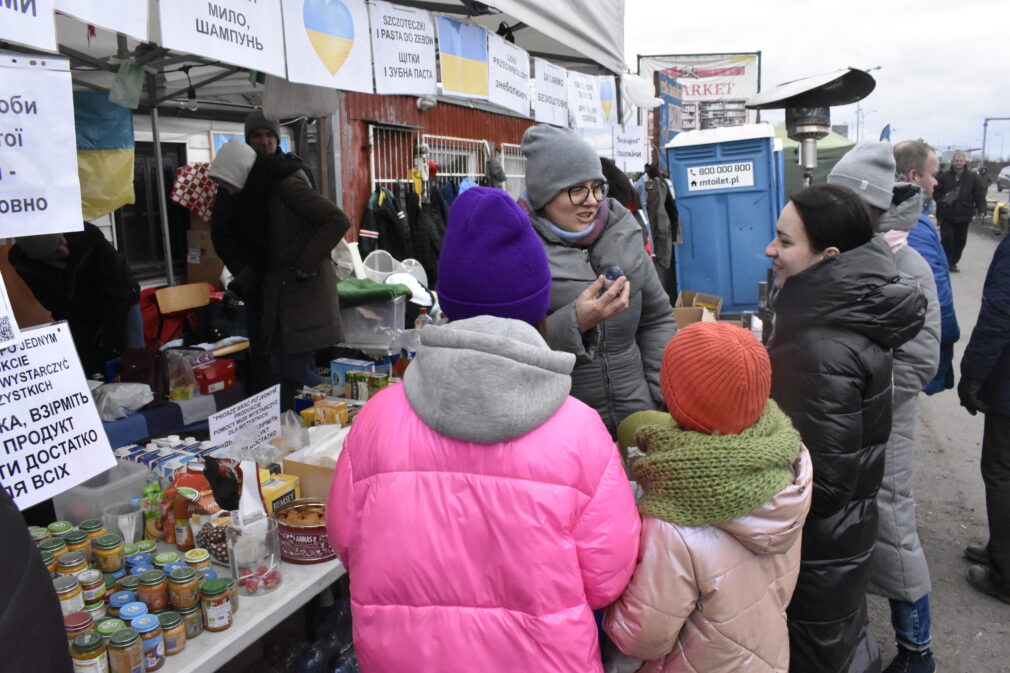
(462, 51)
(327, 43)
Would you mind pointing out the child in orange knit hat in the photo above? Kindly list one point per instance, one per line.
(726, 488)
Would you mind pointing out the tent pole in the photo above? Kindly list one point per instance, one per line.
(162, 203)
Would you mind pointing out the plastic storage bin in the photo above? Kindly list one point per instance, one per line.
(373, 325)
(87, 500)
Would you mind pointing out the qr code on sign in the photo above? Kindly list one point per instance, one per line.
(6, 331)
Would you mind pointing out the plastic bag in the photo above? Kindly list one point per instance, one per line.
(180, 371)
(118, 400)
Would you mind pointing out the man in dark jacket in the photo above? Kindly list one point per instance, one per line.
(985, 387)
(79, 277)
(959, 195)
(916, 162)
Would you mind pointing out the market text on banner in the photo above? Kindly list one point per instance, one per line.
(249, 423)
(327, 43)
(243, 33)
(37, 122)
(550, 106)
(50, 433)
(403, 44)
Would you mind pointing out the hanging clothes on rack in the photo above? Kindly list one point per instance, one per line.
(385, 226)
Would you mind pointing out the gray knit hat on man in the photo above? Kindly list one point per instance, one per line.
(555, 160)
(257, 120)
(868, 170)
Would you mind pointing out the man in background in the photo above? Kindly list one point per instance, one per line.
(959, 194)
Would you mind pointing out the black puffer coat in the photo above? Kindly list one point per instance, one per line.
(836, 325)
(970, 195)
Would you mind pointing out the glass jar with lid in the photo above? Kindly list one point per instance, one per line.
(126, 651)
(97, 609)
(129, 583)
(198, 558)
(183, 588)
(78, 540)
(50, 561)
(68, 590)
(131, 611)
(39, 534)
(107, 626)
(153, 590)
(92, 585)
(88, 653)
(164, 558)
(192, 620)
(60, 528)
(174, 632)
(95, 528)
(77, 623)
(118, 600)
(108, 552)
(152, 640)
(55, 546)
(72, 563)
(217, 614)
(146, 546)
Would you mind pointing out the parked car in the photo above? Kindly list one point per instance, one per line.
(1003, 179)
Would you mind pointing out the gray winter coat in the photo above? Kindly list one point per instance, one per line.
(899, 564)
(617, 362)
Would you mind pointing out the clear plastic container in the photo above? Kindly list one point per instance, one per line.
(254, 556)
(375, 324)
(89, 499)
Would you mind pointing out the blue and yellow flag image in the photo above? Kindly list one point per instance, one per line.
(330, 28)
(462, 50)
(104, 153)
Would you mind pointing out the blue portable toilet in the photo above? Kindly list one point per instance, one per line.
(729, 188)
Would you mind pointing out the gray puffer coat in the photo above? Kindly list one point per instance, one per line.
(617, 362)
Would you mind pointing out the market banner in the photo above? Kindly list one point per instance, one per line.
(714, 87)
(39, 189)
(550, 106)
(509, 75)
(630, 148)
(105, 163)
(403, 43)
(608, 100)
(327, 43)
(123, 16)
(51, 432)
(28, 22)
(584, 100)
(240, 32)
(463, 57)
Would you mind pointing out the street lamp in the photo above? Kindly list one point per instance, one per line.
(859, 110)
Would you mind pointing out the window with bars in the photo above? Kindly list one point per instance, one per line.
(391, 154)
(457, 158)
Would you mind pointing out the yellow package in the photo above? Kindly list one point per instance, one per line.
(330, 411)
(278, 490)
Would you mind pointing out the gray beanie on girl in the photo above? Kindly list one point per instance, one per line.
(555, 160)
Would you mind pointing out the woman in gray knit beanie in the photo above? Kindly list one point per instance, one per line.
(617, 333)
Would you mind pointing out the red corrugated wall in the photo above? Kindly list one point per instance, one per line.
(444, 120)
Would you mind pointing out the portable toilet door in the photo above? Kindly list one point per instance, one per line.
(728, 198)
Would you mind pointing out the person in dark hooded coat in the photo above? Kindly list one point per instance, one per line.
(841, 309)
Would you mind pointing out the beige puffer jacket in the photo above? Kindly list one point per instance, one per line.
(712, 599)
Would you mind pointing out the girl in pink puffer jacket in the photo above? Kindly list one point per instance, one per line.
(482, 513)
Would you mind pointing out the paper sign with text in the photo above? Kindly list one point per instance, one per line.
(40, 192)
(243, 33)
(629, 148)
(51, 436)
(249, 423)
(327, 43)
(28, 22)
(584, 100)
(550, 106)
(509, 75)
(124, 16)
(403, 43)
(9, 332)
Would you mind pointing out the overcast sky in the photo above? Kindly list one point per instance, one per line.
(945, 66)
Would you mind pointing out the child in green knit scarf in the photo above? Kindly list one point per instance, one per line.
(726, 488)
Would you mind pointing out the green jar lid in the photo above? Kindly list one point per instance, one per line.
(129, 583)
(75, 536)
(108, 542)
(110, 580)
(106, 627)
(91, 525)
(88, 641)
(124, 637)
(47, 557)
(186, 611)
(39, 534)
(130, 549)
(72, 558)
(182, 575)
(53, 544)
(166, 557)
(152, 577)
(215, 586)
(169, 619)
(60, 527)
(146, 546)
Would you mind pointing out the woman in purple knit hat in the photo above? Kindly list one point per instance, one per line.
(481, 511)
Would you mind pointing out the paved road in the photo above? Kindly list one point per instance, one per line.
(971, 632)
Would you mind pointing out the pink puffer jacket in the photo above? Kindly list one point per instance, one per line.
(489, 556)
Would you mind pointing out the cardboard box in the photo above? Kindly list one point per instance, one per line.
(330, 411)
(340, 367)
(278, 490)
(315, 479)
(215, 376)
(690, 298)
(202, 262)
(686, 316)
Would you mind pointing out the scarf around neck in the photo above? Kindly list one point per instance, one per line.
(582, 239)
(694, 479)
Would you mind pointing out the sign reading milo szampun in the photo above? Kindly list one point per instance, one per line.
(51, 438)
